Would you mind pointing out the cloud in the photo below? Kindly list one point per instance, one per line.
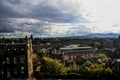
(58, 17)
(79, 30)
(50, 10)
(38, 17)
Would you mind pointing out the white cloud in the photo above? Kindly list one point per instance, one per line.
(58, 17)
(102, 13)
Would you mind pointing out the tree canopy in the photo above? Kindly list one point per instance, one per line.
(102, 56)
(95, 44)
(42, 52)
(94, 68)
(52, 66)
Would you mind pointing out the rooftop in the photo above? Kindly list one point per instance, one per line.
(75, 47)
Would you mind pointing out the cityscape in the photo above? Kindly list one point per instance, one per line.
(61, 57)
(59, 40)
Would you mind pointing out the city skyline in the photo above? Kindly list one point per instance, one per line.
(51, 18)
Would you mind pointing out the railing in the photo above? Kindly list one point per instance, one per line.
(80, 77)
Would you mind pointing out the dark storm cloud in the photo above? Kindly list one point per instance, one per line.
(52, 14)
(5, 13)
(12, 11)
(5, 26)
(43, 10)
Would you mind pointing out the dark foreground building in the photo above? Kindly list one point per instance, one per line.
(16, 60)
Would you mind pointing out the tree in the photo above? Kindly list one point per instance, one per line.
(94, 69)
(37, 69)
(52, 66)
(84, 68)
(42, 52)
(102, 56)
(35, 59)
(107, 71)
(95, 44)
(36, 63)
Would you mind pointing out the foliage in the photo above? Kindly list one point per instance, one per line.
(102, 56)
(80, 60)
(84, 68)
(95, 68)
(95, 44)
(37, 69)
(35, 58)
(108, 71)
(52, 66)
(42, 52)
(36, 62)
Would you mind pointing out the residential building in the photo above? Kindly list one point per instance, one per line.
(72, 52)
(16, 60)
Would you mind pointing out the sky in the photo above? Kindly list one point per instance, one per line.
(58, 18)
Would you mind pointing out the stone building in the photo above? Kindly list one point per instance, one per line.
(16, 60)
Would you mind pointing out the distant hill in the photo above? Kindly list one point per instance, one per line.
(103, 35)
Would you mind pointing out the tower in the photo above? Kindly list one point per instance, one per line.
(29, 57)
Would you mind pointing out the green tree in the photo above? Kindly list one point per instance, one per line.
(52, 66)
(95, 44)
(84, 68)
(35, 59)
(102, 56)
(95, 68)
(37, 69)
(42, 52)
(107, 71)
(36, 63)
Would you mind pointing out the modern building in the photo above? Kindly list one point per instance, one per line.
(16, 60)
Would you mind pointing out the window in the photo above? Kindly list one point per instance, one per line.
(8, 49)
(15, 71)
(22, 59)
(22, 49)
(1, 51)
(3, 62)
(22, 69)
(8, 60)
(8, 73)
(15, 60)
(14, 49)
(2, 73)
